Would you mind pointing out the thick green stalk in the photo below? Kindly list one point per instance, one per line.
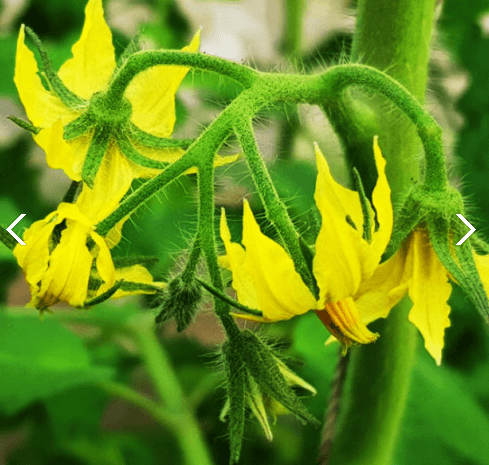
(394, 37)
(192, 443)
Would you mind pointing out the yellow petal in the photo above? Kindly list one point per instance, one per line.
(429, 291)
(152, 95)
(135, 274)
(343, 258)
(264, 276)
(61, 154)
(93, 59)
(69, 269)
(113, 180)
(34, 256)
(381, 198)
(104, 263)
(385, 288)
(42, 107)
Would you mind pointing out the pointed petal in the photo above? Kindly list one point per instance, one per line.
(93, 59)
(113, 180)
(152, 95)
(69, 268)
(42, 107)
(264, 276)
(381, 198)
(257, 406)
(482, 264)
(135, 274)
(33, 257)
(104, 263)
(342, 257)
(61, 154)
(429, 291)
(385, 288)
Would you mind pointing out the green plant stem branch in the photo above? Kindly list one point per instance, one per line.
(340, 78)
(7, 240)
(193, 260)
(141, 61)
(275, 209)
(293, 27)
(136, 398)
(159, 367)
(207, 236)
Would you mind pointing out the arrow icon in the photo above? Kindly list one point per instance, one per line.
(9, 230)
(472, 229)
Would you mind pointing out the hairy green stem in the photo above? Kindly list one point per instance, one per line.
(207, 236)
(274, 207)
(293, 27)
(193, 260)
(159, 367)
(141, 61)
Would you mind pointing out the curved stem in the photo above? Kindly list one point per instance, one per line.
(141, 61)
(338, 78)
(159, 367)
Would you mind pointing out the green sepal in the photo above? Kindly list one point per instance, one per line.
(262, 365)
(6, 239)
(104, 296)
(24, 124)
(406, 219)
(228, 300)
(70, 99)
(366, 207)
(78, 126)
(124, 262)
(458, 260)
(180, 300)
(133, 47)
(132, 154)
(235, 407)
(479, 245)
(72, 192)
(95, 154)
(133, 286)
(151, 141)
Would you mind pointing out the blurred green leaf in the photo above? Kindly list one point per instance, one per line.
(8, 213)
(39, 359)
(8, 46)
(444, 423)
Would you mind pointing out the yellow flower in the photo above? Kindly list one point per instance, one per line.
(64, 259)
(149, 105)
(416, 269)
(264, 276)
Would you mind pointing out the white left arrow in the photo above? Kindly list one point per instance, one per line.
(472, 229)
(9, 230)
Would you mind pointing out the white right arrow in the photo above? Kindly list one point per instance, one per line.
(472, 229)
(9, 230)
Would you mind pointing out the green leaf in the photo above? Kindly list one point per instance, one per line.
(444, 422)
(38, 359)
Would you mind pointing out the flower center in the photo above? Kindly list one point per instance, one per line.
(344, 323)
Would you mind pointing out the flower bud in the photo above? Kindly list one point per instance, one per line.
(180, 301)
